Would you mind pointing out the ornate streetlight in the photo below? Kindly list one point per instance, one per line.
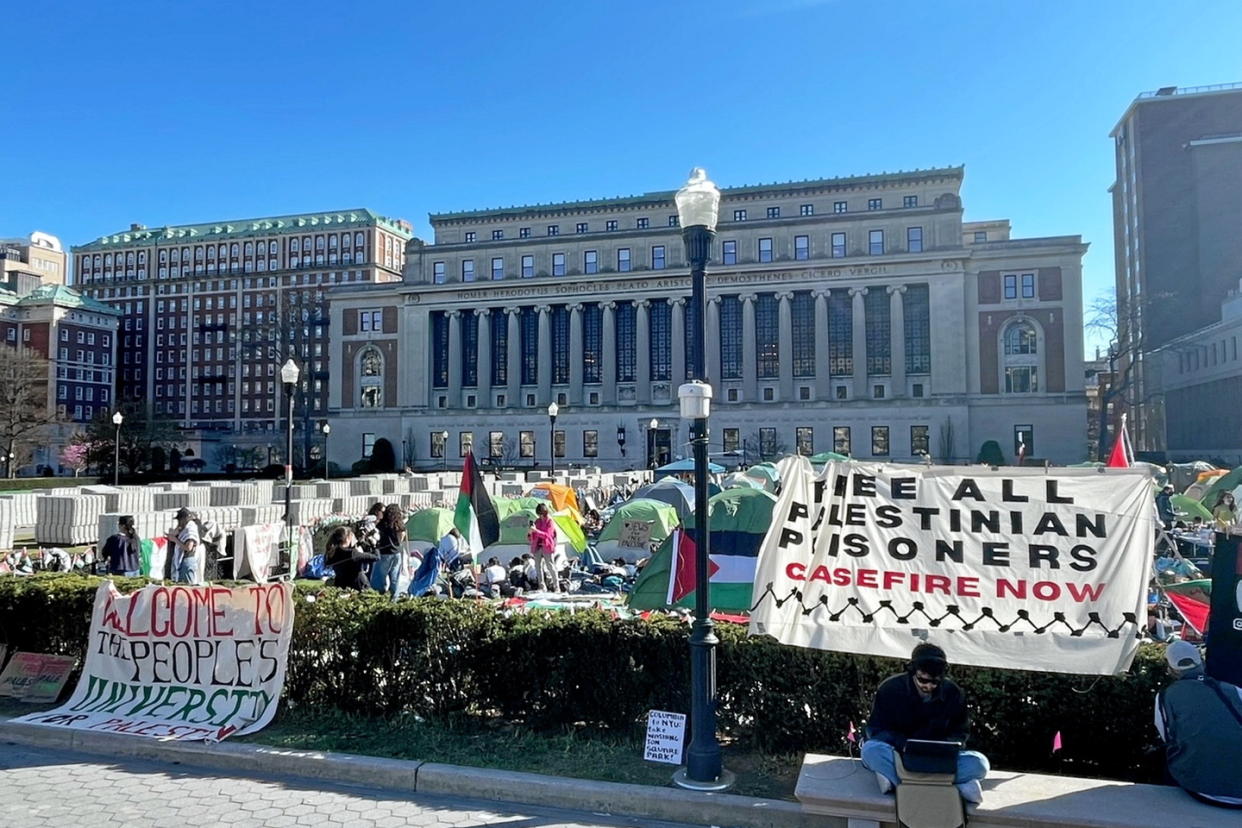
(698, 206)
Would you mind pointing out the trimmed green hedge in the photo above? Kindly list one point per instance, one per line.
(362, 653)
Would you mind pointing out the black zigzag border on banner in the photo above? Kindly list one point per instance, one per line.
(986, 615)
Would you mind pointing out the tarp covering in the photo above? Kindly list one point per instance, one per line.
(738, 520)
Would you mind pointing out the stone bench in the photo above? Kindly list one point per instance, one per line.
(836, 786)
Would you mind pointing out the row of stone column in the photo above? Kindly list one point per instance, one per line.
(642, 379)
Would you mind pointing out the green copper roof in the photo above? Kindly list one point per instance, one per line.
(666, 196)
(65, 298)
(242, 228)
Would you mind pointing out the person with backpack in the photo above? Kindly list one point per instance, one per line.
(386, 574)
(1200, 721)
(123, 550)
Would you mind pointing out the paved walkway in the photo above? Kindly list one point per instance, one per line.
(44, 787)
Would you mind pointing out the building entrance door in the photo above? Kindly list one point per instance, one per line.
(659, 447)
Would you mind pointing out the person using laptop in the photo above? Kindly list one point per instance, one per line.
(921, 704)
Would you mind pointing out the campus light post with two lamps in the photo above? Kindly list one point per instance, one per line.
(289, 376)
(117, 419)
(698, 208)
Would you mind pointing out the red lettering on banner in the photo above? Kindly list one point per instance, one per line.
(158, 630)
(968, 587)
(795, 571)
(865, 578)
(1085, 592)
(937, 582)
(1004, 585)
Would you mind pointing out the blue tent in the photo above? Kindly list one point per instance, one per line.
(686, 465)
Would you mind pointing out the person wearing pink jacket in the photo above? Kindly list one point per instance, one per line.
(543, 547)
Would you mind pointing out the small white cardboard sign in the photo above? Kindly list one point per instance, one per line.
(666, 737)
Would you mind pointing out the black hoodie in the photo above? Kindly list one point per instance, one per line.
(899, 713)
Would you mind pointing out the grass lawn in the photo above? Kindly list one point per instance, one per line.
(506, 746)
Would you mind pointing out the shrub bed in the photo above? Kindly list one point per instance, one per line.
(361, 653)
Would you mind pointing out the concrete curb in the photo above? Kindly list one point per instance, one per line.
(641, 801)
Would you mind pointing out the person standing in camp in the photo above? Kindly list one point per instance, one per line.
(543, 548)
(1164, 507)
(122, 550)
(386, 575)
(1224, 512)
(187, 564)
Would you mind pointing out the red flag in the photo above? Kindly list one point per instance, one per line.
(682, 573)
(1119, 457)
(1194, 610)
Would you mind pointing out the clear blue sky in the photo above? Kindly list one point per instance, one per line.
(183, 111)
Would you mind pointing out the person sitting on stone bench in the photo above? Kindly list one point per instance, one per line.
(1200, 721)
(921, 703)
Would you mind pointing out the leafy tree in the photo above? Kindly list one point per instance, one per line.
(141, 434)
(25, 414)
(74, 456)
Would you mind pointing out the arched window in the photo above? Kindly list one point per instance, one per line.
(108, 260)
(249, 248)
(236, 250)
(371, 378)
(1021, 358)
(357, 240)
(293, 244)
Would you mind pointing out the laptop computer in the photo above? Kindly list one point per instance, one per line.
(926, 756)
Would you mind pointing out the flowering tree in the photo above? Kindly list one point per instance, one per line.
(74, 456)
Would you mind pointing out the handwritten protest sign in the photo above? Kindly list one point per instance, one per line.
(35, 677)
(1043, 570)
(666, 737)
(256, 549)
(181, 662)
(635, 534)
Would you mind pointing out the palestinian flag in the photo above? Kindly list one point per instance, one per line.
(1193, 599)
(153, 557)
(739, 520)
(475, 516)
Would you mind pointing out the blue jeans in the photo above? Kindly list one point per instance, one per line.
(878, 756)
(385, 574)
(187, 570)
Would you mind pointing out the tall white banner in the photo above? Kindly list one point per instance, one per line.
(181, 662)
(1028, 569)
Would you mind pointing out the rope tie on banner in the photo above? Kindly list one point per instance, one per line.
(1022, 617)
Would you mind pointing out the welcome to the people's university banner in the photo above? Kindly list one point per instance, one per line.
(181, 662)
(1028, 569)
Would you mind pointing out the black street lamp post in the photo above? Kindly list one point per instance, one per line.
(698, 206)
(444, 435)
(327, 472)
(553, 410)
(289, 376)
(117, 419)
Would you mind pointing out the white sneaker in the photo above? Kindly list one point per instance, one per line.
(885, 785)
(971, 791)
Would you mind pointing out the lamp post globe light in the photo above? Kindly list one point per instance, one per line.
(327, 472)
(651, 442)
(698, 207)
(444, 435)
(117, 419)
(289, 376)
(553, 410)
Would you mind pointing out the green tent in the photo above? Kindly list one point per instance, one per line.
(1189, 508)
(739, 519)
(516, 514)
(429, 525)
(826, 457)
(613, 541)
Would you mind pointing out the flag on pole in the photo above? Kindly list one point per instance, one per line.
(681, 579)
(1121, 457)
(1056, 742)
(475, 516)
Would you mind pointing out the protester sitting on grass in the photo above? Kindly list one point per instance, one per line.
(1200, 721)
(347, 559)
(426, 580)
(494, 578)
(921, 703)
